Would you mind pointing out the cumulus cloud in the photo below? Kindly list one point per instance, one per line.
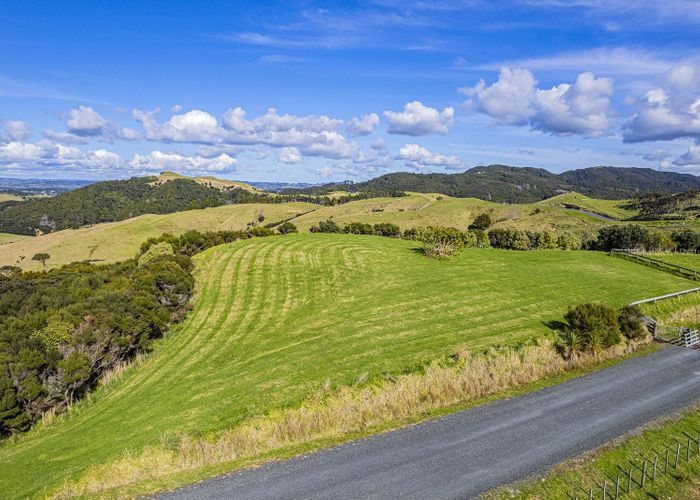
(24, 155)
(417, 119)
(289, 155)
(308, 135)
(416, 156)
(364, 125)
(15, 130)
(46, 154)
(85, 121)
(159, 161)
(670, 110)
(582, 108)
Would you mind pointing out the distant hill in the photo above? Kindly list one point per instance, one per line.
(39, 187)
(121, 199)
(209, 181)
(501, 183)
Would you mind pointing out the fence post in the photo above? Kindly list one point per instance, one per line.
(678, 452)
(617, 487)
(653, 477)
(629, 481)
(666, 466)
(605, 486)
(590, 494)
(687, 452)
(644, 473)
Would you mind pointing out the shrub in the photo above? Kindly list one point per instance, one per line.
(687, 240)
(326, 226)
(568, 241)
(596, 324)
(387, 229)
(358, 228)
(156, 251)
(286, 228)
(481, 223)
(631, 324)
(509, 239)
(622, 237)
(481, 239)
(544, 240)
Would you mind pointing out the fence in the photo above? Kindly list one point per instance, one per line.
(632, 255)
(635, 476)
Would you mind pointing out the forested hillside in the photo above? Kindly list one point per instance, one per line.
(501, 183)
(111, 201)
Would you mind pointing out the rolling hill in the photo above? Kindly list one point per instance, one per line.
(111, 201)
(113, 241)
(275, 317)
(501, 183)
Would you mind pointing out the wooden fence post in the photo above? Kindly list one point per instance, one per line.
(644, 473)
(678, 452)
(617, 487)
(653, 477)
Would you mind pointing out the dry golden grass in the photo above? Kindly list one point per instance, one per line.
(113, 241)
(348, 410)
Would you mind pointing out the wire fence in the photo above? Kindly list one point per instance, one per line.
(639, 475)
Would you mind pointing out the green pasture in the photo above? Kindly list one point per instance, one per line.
(277, 319)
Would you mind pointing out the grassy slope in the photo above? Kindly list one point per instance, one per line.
(419, 209)
(9, 197)
(611, 208)
(209, 181)
(691, 261)
(120, 240)
(9, 238)
(275, 318)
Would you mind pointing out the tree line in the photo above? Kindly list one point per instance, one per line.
(443, 241)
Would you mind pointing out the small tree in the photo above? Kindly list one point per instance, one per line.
(481, 223)
(286, 228)
(41, 257)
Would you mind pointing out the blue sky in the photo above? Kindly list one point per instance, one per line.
(306, 91)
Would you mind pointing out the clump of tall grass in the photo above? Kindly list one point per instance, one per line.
(349, 410)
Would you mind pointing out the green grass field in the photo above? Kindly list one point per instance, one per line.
(687, 260)
(276, 319)
(114, 241)
(419, 209)
(610, 208)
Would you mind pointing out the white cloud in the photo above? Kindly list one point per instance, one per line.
(668, 111)
(289, 155)
(364, 125)
(325, 171)
(159, 161)
(612, 61)
(15, 130)
(85, 121)
(689, 161)
(582, 108)
(416, 156)
(64, 137)
(417, 119)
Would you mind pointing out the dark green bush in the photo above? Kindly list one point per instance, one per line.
(631, 324)
(481, 222)
(595, 325)
(286, 228)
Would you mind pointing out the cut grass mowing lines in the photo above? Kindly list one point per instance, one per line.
(275, 318)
